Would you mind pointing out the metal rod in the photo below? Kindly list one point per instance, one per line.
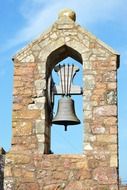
(71, 79)
(64, 81)
(68, 80)
(65, 127)
(61, 78)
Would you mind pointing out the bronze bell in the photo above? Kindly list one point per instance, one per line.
(66, 113)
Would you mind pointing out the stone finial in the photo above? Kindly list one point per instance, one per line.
(67, 13)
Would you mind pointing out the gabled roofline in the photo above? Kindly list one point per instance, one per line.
(108, 47)
(69, 14)
(28, 46)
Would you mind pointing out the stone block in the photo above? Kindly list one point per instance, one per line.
(9, 183)
(40, 84)
(110, 121)
(88, 146)
(109, 76)
(83, 174)
(26, 114)
(105, 175)
(82, 164)
(28, 176)
(40, 127)
(108, 110)
(93, 163)
(89, 82)
(114, 161)
(112, 148)
(75, 185)
(8, 171)
(17, 172)
(23, 129)
(112, 85)
(17, 106)
(41, 148)
(98, 129)
(113, 130)
(107, 138)
(28, 186)
(111, 97)
(41, 138)
(17, 159)
(88, 114)
(51, 187)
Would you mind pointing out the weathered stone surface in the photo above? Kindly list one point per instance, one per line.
(17, 159)
(8, 171)
(41, 147)
(113, 161)
(82, 164)
(28, 176)
(109, 76)
(9, 184)
(105, 175)
(111, 97)
(25, 129)
(17, 172)
(123, 187)
(83, 174)
(112, 85)
(39, 126)
(88, 147)
(107, 138)
(28, 186)
(26, 114)
(89, 82)
(76, 185)
(98, 129)
(108, 110)
(113, 130)
(110, 121)
(112, 148)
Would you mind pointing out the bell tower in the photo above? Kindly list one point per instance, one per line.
(29, 165)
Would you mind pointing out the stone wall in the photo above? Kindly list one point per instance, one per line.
(123, 187)
(29, 165)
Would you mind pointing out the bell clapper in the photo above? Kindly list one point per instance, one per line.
(65, 129)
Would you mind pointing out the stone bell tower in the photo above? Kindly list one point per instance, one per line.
(29, 165)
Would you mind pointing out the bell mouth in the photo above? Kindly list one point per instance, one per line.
(65, 123)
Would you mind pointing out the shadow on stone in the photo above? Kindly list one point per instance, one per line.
(2, 163)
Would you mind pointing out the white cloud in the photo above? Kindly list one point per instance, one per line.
(39, 14)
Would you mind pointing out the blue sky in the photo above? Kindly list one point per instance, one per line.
(22, 21)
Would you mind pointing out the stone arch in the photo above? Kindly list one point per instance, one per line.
(59, 54)
(53, 58)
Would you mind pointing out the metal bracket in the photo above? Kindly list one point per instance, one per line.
(50, 93)
(66, 74)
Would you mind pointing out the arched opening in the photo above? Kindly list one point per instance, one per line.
(70, 141)
(60, 54)
(61, 142)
